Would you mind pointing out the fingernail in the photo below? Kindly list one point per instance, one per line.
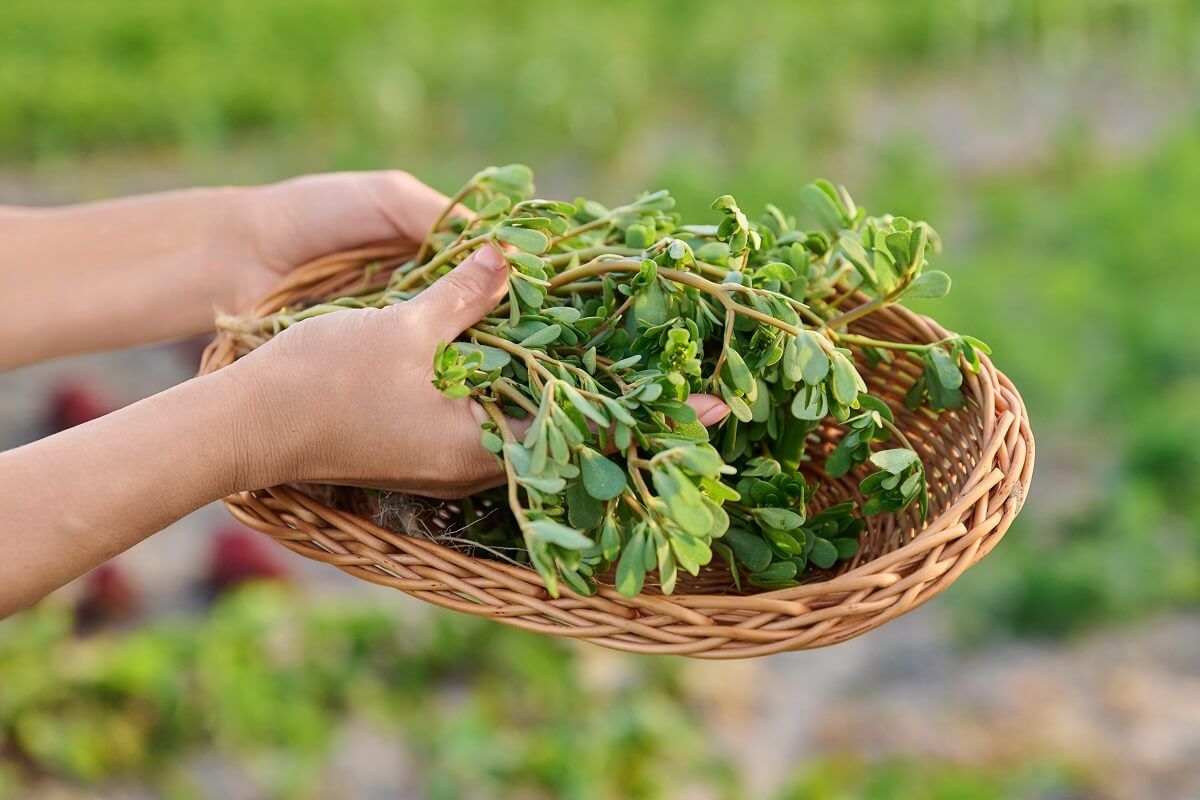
(488, 256)
(714, 414)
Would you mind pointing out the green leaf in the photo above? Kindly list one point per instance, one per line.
(947, 371)
(639, 236)
(667, 573)
(895, 461)
(917, 243)
(751, 551)
(556, 533)
(940, 395)
(738, 373)
(683, 500)
(527, 239)
(791, 360)
(723, 203)
(782, 518)
(495, 208)
(978, 344)
(823, 553)
(539, 556)
(897, 247)
(845, 380)
(760, 409)
(785, 542)
(514, 179)
(846, 548)
(779, 571)
(692, 552)
(736, 404)
(691, 430)
(603, 479)
(718, 491)
(618, 411)
(519, 456)
(583, 510)
(712, 252)
(776, 271)
(886, 271)
(493, 357)
(730, 561)
(828, 212)
(814, 362)
(872, 403)
(610, 539)
(631, 569)
(573, 579)
(565, 314)
(929, 285)
(630, 361)
(491, 441)
(678, 411)
(649, 392)
(529, 294)
(542, 337)
(810, 404)
(545, 485)
(701, 460)
(526, 263)
(852, 248)
(585, 406)
(840, 461)
(651, 306)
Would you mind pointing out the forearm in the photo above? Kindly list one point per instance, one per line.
(105, 275)
(74, 500)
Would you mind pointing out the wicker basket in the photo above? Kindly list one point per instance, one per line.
(979, 461)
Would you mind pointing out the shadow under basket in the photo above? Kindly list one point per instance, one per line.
(978, 460)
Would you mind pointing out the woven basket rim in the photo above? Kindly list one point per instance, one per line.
(816, 613)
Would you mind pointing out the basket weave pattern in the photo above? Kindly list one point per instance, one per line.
(978, 460)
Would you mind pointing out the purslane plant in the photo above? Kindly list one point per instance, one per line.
(615, 315)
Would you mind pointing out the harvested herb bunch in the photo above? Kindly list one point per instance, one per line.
(615, 315)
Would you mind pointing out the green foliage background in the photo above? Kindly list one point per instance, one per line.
(1054, 144)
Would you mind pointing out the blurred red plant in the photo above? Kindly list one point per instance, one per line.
(108, 597)
(240, 555)
(74, 401)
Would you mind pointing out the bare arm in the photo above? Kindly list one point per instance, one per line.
(100, 276)
(107, 275)
(74, 500)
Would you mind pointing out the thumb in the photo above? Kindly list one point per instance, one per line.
(459, 299)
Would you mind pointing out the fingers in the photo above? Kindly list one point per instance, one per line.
(408, 205)
(302, 218)
(458, 300)
(709, 409)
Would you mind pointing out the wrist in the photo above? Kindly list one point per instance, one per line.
(231, 231)
(268, 437)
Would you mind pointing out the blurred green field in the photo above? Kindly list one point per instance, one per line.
(269, 681)
(1055, 145)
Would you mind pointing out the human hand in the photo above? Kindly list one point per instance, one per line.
(348, 397)
(289, 223)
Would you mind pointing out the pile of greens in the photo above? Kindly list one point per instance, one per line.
(615, 316)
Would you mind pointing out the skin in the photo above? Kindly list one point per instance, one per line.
(344, 398)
